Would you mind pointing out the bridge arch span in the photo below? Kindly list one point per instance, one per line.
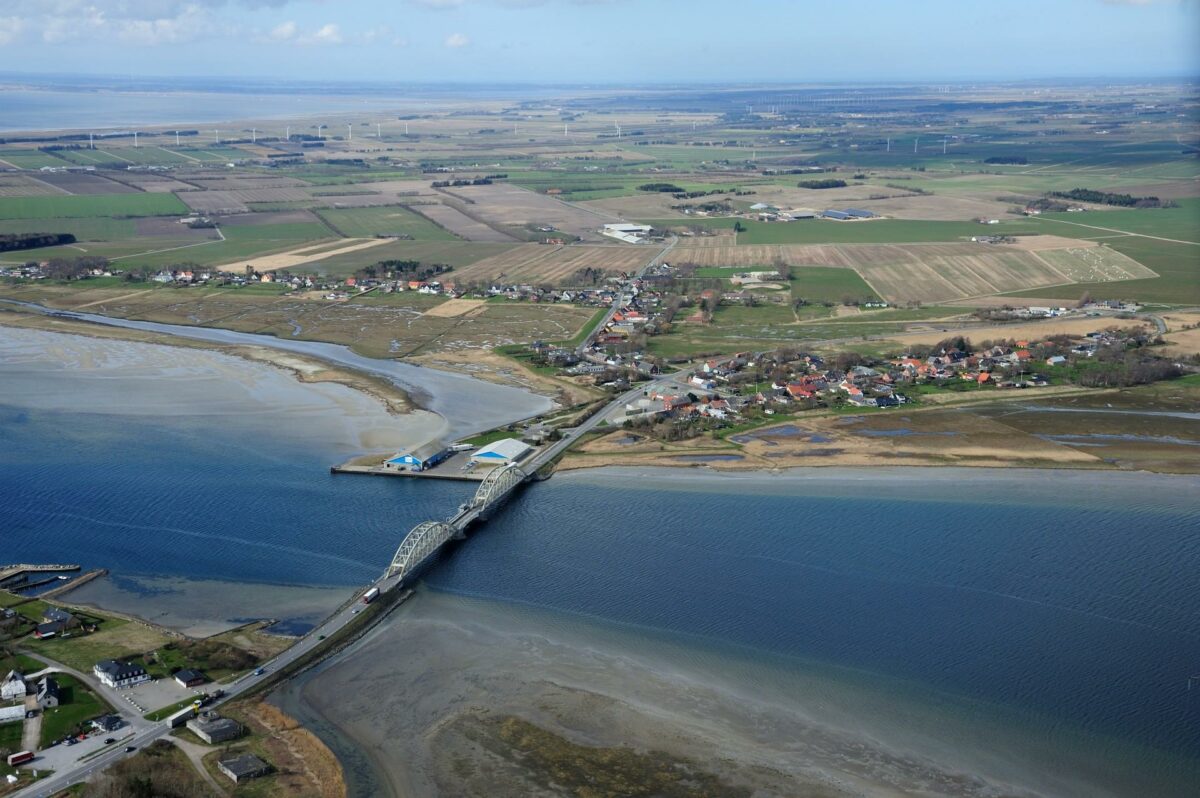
(497, 485)
(421, 541)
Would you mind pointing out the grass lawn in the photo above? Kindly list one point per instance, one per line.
(241, 242)
(87, 205)
(117, 639)
(78, 705)
(390, 220)
(18, 662)
(10, 737)
(1182, 223)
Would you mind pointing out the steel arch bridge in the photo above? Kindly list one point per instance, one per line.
(497, 485)
(423, 540)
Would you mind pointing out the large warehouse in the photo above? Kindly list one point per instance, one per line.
(501, 452)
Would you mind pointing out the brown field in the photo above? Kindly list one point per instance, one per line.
(938, 272)
(512, 206)
(1031, 331)
(239, 182)
(1039, 243)
(723, 238)
(154, 183)
(18, 185)
(81, 183)
(237, 199)
(305, 254)
(1182, 342)
(539, 263)
(455, 307)
(460, 224)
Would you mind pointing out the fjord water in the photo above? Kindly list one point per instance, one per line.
(1063, 602)
(1060, 604)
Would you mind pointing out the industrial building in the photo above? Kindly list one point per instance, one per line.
(246, 766)
(629, 233)
(212, 728)
(419, 459)
(501, 452)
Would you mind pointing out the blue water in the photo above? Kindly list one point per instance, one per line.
(1073, 603)
(236, 500)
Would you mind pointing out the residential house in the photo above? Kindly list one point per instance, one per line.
(119, 674)
(13, 686)
(190, 678)
(48, 692)
(107, 723)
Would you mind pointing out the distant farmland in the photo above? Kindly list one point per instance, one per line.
(383, 220)
(98, 205)
(537, 263)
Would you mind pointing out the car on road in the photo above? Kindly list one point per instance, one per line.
(129, 749)
(109, 740)
(259, 671)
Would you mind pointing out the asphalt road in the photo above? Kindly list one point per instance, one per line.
(146, 732)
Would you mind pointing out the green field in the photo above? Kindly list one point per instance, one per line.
(241, 242)
(388, 220)
(91, 205)
(1182, 223)
(85, 229)
(30, 159)
(820, 284)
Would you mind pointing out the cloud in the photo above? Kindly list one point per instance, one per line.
(10, 29)
(329, 33)
(457, 40)
(283, 32)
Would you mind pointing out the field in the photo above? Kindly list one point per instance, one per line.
(505, 205)
(460, 224)
(100, 205)
(239, 200)
(383, 220)
(452, 253)
(542, 263)
(376, 325)
(938, 272)
(82, 183)
(872, 231)
(30, 159)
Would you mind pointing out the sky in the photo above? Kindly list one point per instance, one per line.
(605, 41)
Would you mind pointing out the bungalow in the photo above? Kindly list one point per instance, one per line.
(190, 678)
(107, 723)
(119, 674)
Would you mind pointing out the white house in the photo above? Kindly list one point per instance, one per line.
(13, 686)
(501, 452)
(119, 674)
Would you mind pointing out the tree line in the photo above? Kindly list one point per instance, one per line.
(10, 242)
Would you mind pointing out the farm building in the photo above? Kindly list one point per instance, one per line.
(501, 452)
(839, 216)
(419, 459)
(859, 213)
(629, 233)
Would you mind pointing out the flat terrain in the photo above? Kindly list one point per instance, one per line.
(459, 224)
(547, 263)
(393, 220)
(506, 205)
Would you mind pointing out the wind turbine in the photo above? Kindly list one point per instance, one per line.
(406, 128)
(379, 131)
(176, 138)
(349, 132)
(944, 140)
(216, 137)
(288, 135)
(320, 135)
(916, 141)
(91, 141)
(889, 146)
(253, 135)
(618, 130)
(135, 144)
